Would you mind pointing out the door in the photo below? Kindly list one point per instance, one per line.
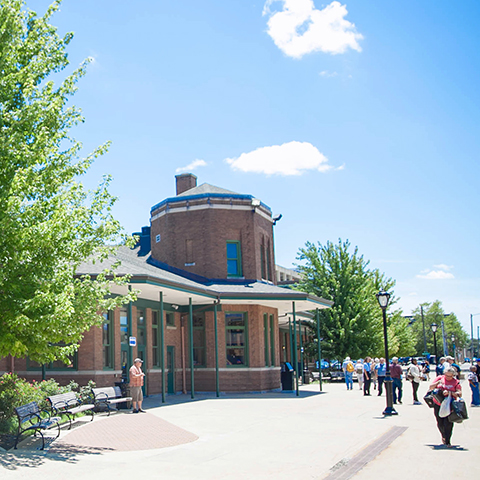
(170, 369)
(141, 345)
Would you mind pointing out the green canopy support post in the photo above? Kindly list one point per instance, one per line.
(130, 330)
(295, 353)
(217, 380)
(301, 350)
(162, 345)
(44, 372)
(319, 349)
(190, 332)
(291, 339)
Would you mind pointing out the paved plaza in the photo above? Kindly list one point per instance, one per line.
(337, 434)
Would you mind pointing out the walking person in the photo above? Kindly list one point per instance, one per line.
(359, 372)
(374, 373)
(348, 369)
(448, 385)
(440, 366)
(414, 373)
(473, 382)
(397, 385)
(426, 369)
(367, 375)
(381, 371)
(136, 384)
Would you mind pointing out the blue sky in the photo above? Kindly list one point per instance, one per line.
(354, 120)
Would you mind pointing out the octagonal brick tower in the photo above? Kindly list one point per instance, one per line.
(213, 232)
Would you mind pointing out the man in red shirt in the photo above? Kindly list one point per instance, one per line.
(396, 374)
(136, 384)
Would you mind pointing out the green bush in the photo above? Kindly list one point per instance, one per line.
(15, 391)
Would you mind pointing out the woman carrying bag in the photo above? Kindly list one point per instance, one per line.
(449, 386)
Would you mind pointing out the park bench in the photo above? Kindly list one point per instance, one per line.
(31, 415)
(69, 405)
(108, 396)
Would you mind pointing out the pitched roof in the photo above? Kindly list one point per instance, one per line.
(205, 189)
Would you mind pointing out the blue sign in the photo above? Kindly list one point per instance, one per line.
(132, 341)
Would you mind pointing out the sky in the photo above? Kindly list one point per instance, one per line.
(355, 120)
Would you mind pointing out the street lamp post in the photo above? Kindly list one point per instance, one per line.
(471, 337)
(453, 347)
(434, 327)
(383, 298)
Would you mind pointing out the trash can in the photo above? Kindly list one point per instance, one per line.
(306, 376)
(287, 375)
(125, 389)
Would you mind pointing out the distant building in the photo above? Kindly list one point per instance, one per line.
(286, 276)
(208, 301)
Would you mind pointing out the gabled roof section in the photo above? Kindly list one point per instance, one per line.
(207, 188)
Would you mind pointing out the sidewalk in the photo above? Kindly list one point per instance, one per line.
(259, 436)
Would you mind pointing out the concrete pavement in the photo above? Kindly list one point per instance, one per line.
(259, 436)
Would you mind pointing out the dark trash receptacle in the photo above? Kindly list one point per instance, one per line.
(125, 389)
(306, 376)
(287, 376)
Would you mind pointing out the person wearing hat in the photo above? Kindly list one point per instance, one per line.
(452, 363)
(136, 384)
(348, 369)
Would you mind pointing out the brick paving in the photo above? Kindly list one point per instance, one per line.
(125, 432)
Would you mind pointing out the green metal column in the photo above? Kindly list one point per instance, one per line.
(217, 380)
(319, 349)
(295, 356)
(162, 346)
(130, 330)
(301, 349)
(190, 331)
(291, 339)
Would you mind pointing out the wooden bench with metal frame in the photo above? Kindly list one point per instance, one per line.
(68, 404)
(32, 415)
(109, 396)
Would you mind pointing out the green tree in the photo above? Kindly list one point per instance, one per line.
(354, 325)
(434, 313)
(49, 222)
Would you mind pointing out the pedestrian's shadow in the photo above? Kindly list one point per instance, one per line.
(455, 448)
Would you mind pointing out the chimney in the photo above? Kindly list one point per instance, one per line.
(185, 181)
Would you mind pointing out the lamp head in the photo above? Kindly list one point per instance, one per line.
(383, 298)
(434, 327)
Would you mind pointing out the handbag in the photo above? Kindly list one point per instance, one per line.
(428, 399)
(459, 411)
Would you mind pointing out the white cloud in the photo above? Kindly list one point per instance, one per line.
(435, 275)
(299, 28)
(326, 73)
(293, 158)
(444, 267)
(191, 166)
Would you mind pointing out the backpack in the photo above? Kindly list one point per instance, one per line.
(350, 367)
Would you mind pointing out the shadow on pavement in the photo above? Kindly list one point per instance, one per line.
(455, 448)
(34, 459)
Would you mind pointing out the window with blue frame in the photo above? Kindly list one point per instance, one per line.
(234, 260)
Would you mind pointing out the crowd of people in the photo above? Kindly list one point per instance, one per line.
(447, 382)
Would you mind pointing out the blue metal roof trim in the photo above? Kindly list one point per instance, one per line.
(207, 195)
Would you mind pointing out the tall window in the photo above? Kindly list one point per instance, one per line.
(265, 336)
(189, 252)
(155, 339)
(107, 337)
(236, 339)
(234, 261)
(140, 327)
(199, 343)
(269, 262)
(170, 319)
(262, 258)
(272, 341)
(124, 326)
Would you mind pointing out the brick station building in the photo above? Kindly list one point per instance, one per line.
(207, 302)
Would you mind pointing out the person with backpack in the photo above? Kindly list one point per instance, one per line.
(348, 370)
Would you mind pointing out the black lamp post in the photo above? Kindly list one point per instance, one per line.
(383, 298)
(434, 327)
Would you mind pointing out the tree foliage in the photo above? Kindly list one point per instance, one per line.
(354, 325)
(49, 222)
(434, 313)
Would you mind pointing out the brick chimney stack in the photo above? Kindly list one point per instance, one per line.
(185, 181)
